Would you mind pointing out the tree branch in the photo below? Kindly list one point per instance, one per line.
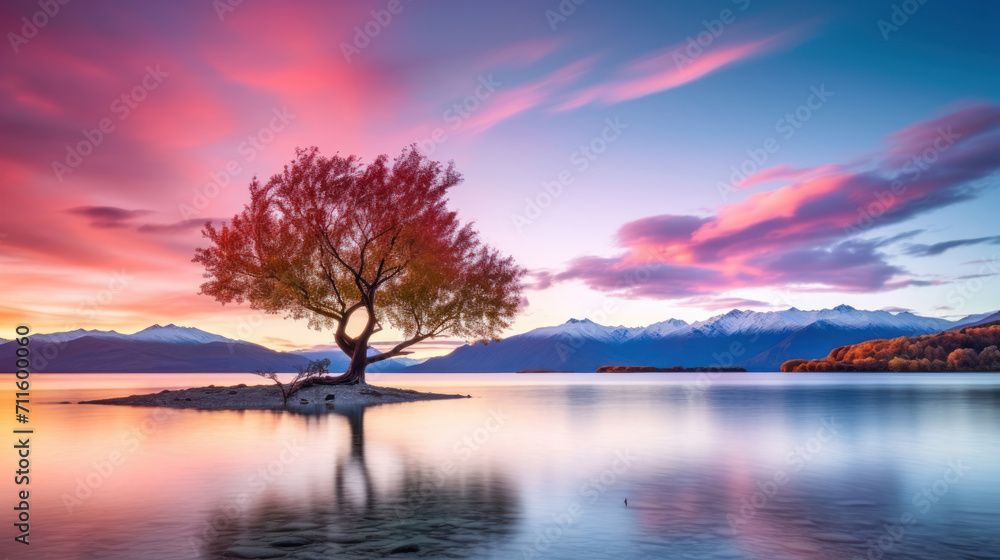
(398, 350)
(345, 342)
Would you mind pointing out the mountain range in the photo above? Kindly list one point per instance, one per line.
(161, 349)
(757, 341)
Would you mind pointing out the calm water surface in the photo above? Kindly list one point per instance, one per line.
(748, 466)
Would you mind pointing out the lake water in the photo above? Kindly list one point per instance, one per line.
(752, 466)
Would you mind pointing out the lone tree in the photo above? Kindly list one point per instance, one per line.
(353, 247)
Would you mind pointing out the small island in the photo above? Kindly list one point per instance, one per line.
(674, 369)
(315, 398)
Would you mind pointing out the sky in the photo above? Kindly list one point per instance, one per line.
(643, 160)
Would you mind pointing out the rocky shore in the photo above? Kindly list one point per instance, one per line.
(267, 397)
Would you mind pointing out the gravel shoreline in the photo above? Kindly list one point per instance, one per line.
(267, 397)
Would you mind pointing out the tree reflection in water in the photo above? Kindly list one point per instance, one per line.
(431, 512)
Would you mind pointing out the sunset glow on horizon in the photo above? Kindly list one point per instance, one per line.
(743, 154)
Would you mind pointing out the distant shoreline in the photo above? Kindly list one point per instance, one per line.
(675, 369)
(267, 397)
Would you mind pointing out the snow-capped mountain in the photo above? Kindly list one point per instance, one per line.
(585, 328)
(170, 334)
(177, 335)
(981, 319)
(664, 328)
(60, 337)
(759, 341)
(739, 321)
(166, 349)
(169, 349)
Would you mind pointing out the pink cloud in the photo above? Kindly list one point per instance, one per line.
(783, 172)
(667, 72)
(508, 102)
(804, 234)
(224, 80)
(969, 119)
(671, 68)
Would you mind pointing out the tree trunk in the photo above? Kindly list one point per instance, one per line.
(359, 361)
(355, 373)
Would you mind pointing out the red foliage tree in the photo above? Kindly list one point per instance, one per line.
(944, 351)
(330, 238)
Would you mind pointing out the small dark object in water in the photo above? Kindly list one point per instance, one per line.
(187, 399)
(288, 542)
(626, 502)
(232, 392)
(303, 401)
(405, 548)
(330, 397)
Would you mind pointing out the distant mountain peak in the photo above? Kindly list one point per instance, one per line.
(844, 308)
(575, 321)
(158, 326)
(171, 333)
(177, 334)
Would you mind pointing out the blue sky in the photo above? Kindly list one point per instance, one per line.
(670, 120)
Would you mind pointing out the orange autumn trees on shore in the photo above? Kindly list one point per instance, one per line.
(354, 247)
(968, 349)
